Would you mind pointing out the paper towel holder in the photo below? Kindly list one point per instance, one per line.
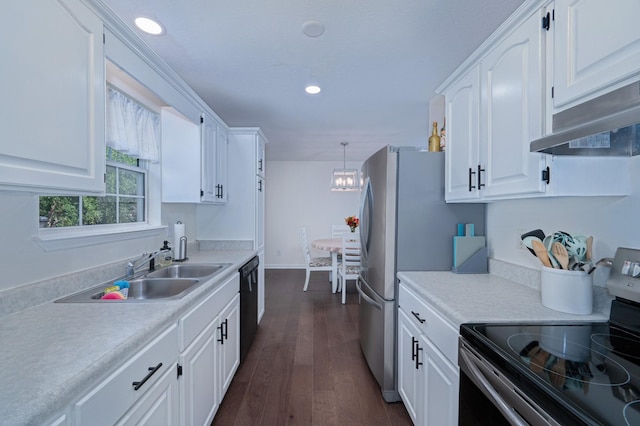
(182, 249)
(180, 246)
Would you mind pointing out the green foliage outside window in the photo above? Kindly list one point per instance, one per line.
(124, 201)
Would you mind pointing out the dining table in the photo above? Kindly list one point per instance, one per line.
(333, 246)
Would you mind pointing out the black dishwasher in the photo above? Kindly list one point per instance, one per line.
(248, 305)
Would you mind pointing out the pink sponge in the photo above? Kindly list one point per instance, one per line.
(115, 295)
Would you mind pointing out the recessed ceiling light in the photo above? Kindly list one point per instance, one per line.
(312, 90)
(149, 26)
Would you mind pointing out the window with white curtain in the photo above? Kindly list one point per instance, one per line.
(132, 144)
(131, 128)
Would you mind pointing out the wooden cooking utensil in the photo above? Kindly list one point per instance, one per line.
(541, 252)
(558, 372)
(537, 233)
(589, 248)
(538, 361)
(560, 253)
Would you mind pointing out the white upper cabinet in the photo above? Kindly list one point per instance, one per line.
(511, 113)
(209, 130)
(194, 159)
(52, 114)
(462, 154)
(499, 100)
(494, 109)
(214, 160)
(221, 174)
(260, 160)
(597, 48)
(181, 158)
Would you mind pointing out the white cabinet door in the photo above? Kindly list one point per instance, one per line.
(260, 160)
(181, 157)
(199, 397)
(597, 46)
(427, 361)
(411, 374)
(214, 160)
(209, 133)
(159, 406)
(222, 148)
(52, 113)
(228, 337)
(511, 113)
(243, 215)
(462, 157)
(208, 364)
(442, 382)
(260, 197)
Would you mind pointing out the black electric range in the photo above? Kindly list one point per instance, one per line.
(560, 373)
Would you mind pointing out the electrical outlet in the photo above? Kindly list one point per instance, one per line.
(519, 243)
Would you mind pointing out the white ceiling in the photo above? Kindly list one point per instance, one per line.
(378, 63)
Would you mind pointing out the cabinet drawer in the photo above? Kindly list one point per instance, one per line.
(437, 329)
(192, 323)
(105, 404)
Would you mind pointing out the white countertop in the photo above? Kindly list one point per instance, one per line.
(52, 353)
(464, 298)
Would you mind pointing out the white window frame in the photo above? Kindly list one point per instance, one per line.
(51, 239)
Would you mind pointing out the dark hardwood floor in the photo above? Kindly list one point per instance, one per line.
(305, 366)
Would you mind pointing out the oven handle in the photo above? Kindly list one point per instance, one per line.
(504, 408)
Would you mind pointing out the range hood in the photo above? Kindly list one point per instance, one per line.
(608, 125)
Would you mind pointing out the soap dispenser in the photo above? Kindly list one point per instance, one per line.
(165, 256)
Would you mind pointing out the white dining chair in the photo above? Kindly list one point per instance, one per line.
(312, 263)
(349, 267)
(338, 230)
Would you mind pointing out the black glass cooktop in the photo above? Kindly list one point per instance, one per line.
(580, 373)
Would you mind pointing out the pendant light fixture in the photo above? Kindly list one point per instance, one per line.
(345, 179)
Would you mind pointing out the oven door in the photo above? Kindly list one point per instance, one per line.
(486, 393)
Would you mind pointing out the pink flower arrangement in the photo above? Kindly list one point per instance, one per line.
(352, 222)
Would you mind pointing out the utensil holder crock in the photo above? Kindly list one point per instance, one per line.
(566, 291)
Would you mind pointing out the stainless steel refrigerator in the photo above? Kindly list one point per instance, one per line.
(405, 226)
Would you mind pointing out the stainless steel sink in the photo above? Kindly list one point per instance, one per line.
(160, 288)
(187, 270)
(172, 282)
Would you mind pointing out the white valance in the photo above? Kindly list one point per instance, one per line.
(131, 128)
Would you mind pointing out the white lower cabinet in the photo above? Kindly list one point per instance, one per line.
(180, 377)
(428, 373)
(411, 372)
(229, 344)
(261, 288)
(158, 407)
(143, 387)
(442, 384)
(198, 391)
(209, 352)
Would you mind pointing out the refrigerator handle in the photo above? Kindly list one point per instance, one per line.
(365, 213)
(366, 298)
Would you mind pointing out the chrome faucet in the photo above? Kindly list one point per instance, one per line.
(135, 265)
